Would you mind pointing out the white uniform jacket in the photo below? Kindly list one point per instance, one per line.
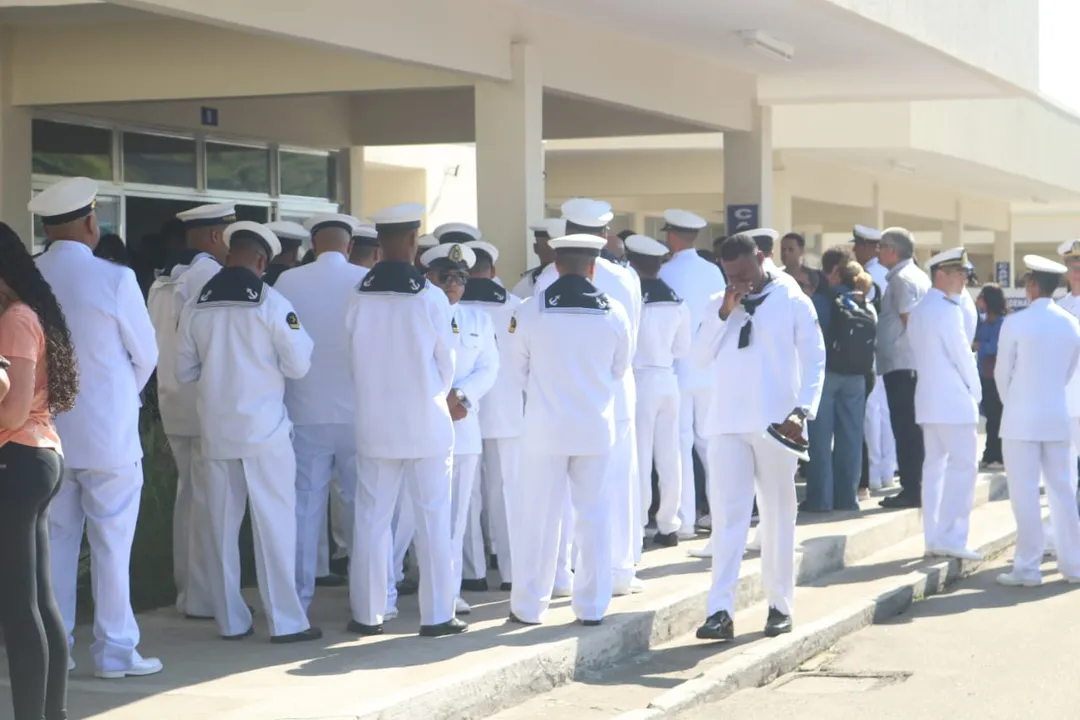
(696, 281)
(948, 391)
(168, 295)
(240, 339)
(782, 366)
(476, 365)
(1038, 351)
(501, 409)
(664, 335)
(526, 286)
(115, 352)
(320, 292)
(401, 348)
(1071, 304)
(570, 346)
(880, 275)
(971, 315)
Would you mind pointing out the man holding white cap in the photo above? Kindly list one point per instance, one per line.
(291, 236)
(947, 399)
(401, 347)
(570, 347)
(762, 340)
(664, 337)
(322, 411)
(542, 233)
(239, 340)
(1038, 354)
(365, 250)
(116, 352)
(695, 280)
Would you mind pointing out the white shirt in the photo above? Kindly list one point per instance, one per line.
(1071, 304)
(401, 349)
(570, 347)
(1038, 351)
(948, 391)
(115, 354)
(696, 281)
(879, 274)
(907, 285)
(168, 295)
(320, 292)
(664, 335)
(502, 407)
(781, 369)
(971, 314)
(476, 365)
(239, 340)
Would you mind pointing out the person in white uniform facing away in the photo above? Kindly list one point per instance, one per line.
(206, 250)
(947, 399)
(762, 339)
(570, 348)
(320, 407)
(664, 337)
(695, 280)
(1070, 303)
(500, 420)
(542, 233)
(115, 352)
(401, 348)
(239, 340)
(1038, 353)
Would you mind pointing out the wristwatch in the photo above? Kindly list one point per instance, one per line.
(462, 400)
(800, 413)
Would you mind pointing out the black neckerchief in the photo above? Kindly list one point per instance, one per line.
(655, 290)
(484, 290)
(390, 277)
(575, 293)
(273, 272)
(232, 286)
(535, 272)
(750, 303)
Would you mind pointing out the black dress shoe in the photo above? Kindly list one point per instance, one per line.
(666, 539)
(506, 587)
(246, 634)
(331, 580)
(189, 616)
(518, 621)
(777, 624)
(361, 629)
(592, 623)
(479, 585)
(340, 566)
(312, 633)
(407, 587)
(902, 499)
(719, 626)
(452, 626)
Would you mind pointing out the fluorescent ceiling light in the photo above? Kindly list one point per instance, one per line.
(767, 44)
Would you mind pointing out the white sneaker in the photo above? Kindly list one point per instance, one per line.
(1011, 579)
(140, 668)
(755, 543)
(633, 588)
(71, 663)
(461, 607)
(562, 592)
(962, 554)
(704, 552)
(390, 614)
(704, 522)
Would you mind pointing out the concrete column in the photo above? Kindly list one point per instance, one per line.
(782, 215)
(952, 232)
(874, 216)
(510, 159)
(351, 179)
(15, 148)
(639, 223)
(748, 173)
(1004, 252)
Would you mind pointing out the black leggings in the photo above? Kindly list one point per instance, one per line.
(34, 632)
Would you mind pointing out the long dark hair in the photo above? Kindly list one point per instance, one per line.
(994, 299)
(18, 270)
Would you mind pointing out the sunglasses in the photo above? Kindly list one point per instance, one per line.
(448, 277)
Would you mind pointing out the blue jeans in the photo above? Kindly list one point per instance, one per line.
(836, 438)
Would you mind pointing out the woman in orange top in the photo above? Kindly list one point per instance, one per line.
(42, 382)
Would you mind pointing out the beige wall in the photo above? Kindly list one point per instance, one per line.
(385, 186)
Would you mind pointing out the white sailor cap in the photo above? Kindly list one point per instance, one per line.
(208, 215)
(1069, 249)
(864, 234)
(399, 218)
(587, 213)
(645, 245)
(1038, 264)
(67, 200)
(323, 221)
(254, 231)
(457, 232)
(365, 235)
(682, 221)
(578, 241)
(539, 228)
(426, 241)
(556, 227)
(486, 248)
(762, 233)
(955, 257)
(449, 256)
(289, 233)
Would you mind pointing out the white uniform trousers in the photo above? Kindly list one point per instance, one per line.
(738, 463)
(463, 483)
(693, 412)
(564, 565)
(498, 466)
(266, 482)
(189, 565)
(107, 503)
(658, 439)
(623, 483)
(423, 485)
(950, 469)
(474, 551)
(340, 520)
(1024, 461)
(537, 510)
(320, 451)
(880, 443)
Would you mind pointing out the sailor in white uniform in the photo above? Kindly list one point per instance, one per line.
(762, 339)
(115, 352)
(365, 251)
(239, 340)
(1038, 353)
(401, 347)
(947, 399)
(500, 423)
(423, 244)
(570, 347)
(664, 338)
(321, 409)
(542, 233)
(1070, 256)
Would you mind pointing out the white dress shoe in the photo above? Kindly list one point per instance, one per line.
(390, 614)
(461, 607)
(704, 522)
(961, 554)
(704, 552)
(140, 668)
(562, 592)
(633, 588)
(755, 543)
(1011, 579)
(71, 663)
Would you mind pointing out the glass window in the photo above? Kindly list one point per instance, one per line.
(308, 174)
(159, 160)
(234, 167)
(108, 217)
(71, 150)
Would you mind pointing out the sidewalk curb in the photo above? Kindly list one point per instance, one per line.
(759, 666)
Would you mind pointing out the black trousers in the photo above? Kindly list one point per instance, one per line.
(992, 408)
(34, 633)
(900, 390)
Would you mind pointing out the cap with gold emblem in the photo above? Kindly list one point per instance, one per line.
(1069, 249)
(67, 200)
(956, 257)
(208, 215)
(449, 256)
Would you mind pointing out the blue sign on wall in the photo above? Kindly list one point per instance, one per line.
(1001, 273)
(740, 218)
(209, 116)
